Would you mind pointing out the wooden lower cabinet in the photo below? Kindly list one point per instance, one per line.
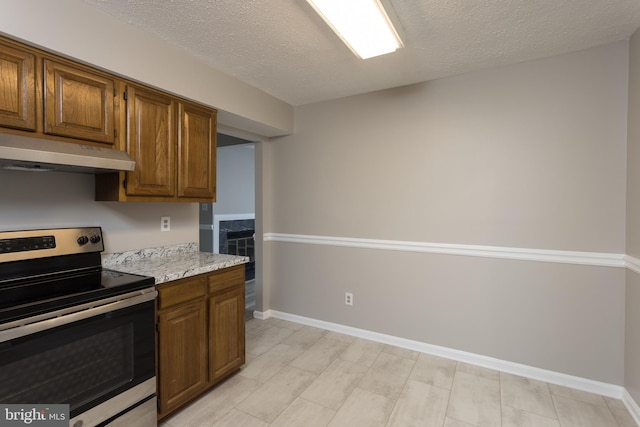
(200, 335)
(183, 358)
(226, 333)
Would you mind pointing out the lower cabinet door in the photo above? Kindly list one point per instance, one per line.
(182, 362)
(226, 332)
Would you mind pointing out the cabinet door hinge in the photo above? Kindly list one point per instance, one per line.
(124, 184)
(125, 96)
(115, 133)
(115, 92)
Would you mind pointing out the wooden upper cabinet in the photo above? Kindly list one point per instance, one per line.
(172, 140)
(196, 152)
(151, 142)
(17, 88)
(78, 103)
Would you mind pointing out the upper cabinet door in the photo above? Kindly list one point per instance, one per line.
(17, 88)
(151, 136)
(78, 103)
(197, 152)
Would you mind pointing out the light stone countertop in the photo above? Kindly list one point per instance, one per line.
(170, 262)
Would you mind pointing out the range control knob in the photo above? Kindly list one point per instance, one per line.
(95, 239)
(83, 240)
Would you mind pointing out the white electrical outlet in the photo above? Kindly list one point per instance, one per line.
(165, 223)
(348, 298)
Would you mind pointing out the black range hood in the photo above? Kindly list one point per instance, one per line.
(35, 154)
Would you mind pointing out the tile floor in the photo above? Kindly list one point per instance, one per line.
(301, 376)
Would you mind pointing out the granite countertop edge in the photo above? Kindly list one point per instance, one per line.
(169, 263)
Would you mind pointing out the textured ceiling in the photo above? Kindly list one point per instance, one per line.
(283, 48)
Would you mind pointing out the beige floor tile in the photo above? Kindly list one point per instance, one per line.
(335, 384)
(269, 363)
(362, 351)
(290, 325)
(304, 337)
(320, 355)
(402, 352)
(304, 413)
(434, 370)
(337, 336)
(253, 327)
(388, 375)
(273, 397)
(583, 396)
(475, 400)
(363, 408)
(215, 404)
(237, 418)
(248, 358)
(526, 394)
(451, 422)
(266, 339)
(479, 371)
(420, 404)
(620, 412)
(575, 413)
(517, 418)
(272, 321)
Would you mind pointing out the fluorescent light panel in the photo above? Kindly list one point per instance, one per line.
(363, 25)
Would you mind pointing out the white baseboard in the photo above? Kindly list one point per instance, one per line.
(631, 405)
(262, 315)
(552, 377)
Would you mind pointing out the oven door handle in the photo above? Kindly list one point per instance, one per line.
(58, 319)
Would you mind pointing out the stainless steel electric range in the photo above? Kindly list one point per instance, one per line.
(74, 333)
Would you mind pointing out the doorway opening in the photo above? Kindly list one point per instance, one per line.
(228, 226)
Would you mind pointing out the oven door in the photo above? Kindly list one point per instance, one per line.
(83, 358)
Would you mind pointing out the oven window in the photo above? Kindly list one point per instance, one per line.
(82, 363)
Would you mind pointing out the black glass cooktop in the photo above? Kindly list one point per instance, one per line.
(49, 292)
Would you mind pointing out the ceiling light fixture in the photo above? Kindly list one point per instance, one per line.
(363, 25)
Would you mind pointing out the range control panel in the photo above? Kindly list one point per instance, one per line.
(21, 244)
(28, 244)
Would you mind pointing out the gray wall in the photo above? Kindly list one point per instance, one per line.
(526, 156)
(632, 329)
(54, 199)
(236, 180)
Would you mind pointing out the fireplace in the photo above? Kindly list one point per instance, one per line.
(235, 235)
